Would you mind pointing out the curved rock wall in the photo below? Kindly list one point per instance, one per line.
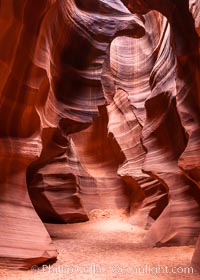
(176, 91)
(24, 240)
(99, 109)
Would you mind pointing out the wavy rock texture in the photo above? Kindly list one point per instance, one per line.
(50, 88)
(100, 157)
(100, 109)
(130, 79)
(195, 11)
(24, 240)
(75, 92)
(183, 84)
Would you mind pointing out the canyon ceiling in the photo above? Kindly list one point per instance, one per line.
(100, 108)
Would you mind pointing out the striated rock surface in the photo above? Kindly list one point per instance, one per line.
(195, 11)
(130, 67)
(73, 41)
(51, 62)
(176, 92)
(24, 240)
(99, 106)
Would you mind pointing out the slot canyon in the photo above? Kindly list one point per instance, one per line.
(99, 139)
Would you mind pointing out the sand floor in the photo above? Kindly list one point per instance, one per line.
(108, 248)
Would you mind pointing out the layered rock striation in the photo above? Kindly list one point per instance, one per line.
(99, 109)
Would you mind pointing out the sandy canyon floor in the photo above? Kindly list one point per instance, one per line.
(108, 247)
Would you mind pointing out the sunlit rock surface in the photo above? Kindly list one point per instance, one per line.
(99, 106)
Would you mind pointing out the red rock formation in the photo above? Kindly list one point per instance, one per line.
(174, 155)
(24, 240)
(61, 63)
(196, 257)
(50, 87)
(73, 97)
(128, 81)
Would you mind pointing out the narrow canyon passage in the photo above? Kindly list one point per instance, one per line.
(99, 139)
(108, 247)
